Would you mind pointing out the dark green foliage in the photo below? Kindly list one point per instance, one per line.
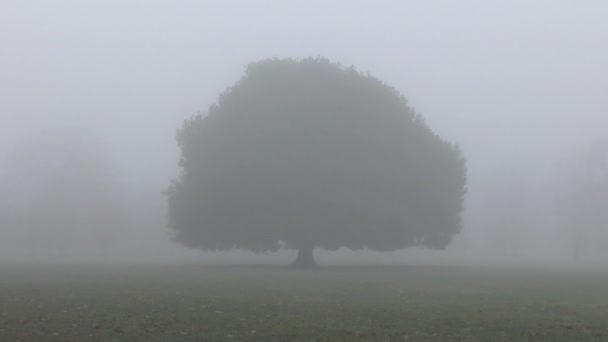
(310, 153)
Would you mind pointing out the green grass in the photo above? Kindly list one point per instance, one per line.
(190, 303)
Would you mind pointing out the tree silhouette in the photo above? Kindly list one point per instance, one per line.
(315, 155)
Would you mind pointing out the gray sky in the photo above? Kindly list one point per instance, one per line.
(507, 80)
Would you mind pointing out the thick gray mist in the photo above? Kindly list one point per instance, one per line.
(520, 86)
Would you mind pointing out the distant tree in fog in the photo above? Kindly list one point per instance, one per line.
(510, 212)
(6, 215)
(583, 205)
(315, 155)
(64, 196)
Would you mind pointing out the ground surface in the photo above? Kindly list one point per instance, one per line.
(195, 303)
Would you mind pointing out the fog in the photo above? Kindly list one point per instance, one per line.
(519, 85)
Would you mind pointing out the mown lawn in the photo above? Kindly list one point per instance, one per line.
(202, 303)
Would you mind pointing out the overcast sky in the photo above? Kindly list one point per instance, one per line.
(507, 80)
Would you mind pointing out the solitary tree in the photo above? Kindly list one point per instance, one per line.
(311, 154)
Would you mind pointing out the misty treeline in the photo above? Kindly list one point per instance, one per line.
(559, 213)
(64, 197)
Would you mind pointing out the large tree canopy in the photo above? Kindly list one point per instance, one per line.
(315, 155)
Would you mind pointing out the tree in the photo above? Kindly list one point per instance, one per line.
(510, 210)
(312, 154)
(65, 197)
(582, 206)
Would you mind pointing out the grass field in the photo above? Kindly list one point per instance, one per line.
(201, 303)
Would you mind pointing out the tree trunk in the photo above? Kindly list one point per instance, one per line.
(305, 258)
